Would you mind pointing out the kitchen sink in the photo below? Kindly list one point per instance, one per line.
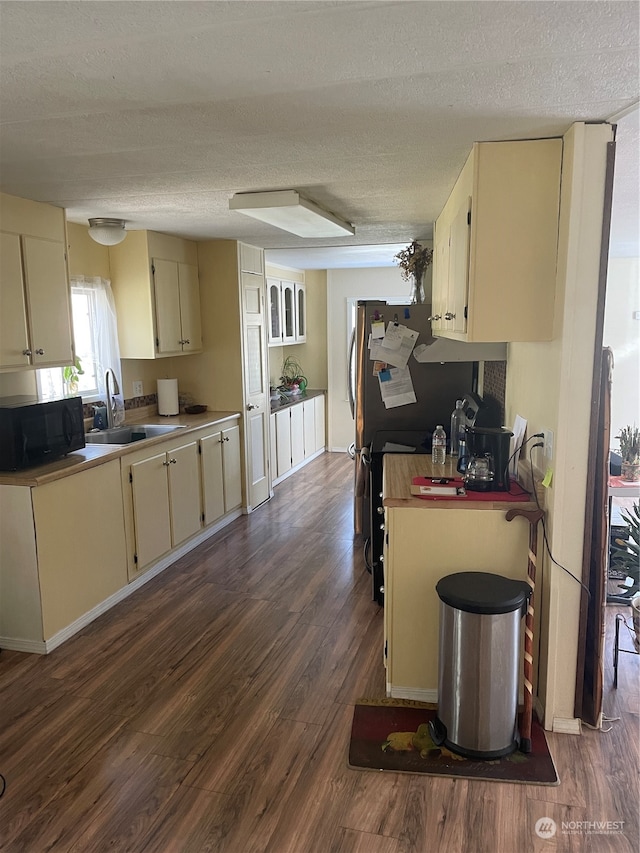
(128, 434)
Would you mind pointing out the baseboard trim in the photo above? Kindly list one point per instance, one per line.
(418, 694)
(297, 467)
(45, 646)
(567, 725)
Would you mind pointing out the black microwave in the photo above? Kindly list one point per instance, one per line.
(32, 433)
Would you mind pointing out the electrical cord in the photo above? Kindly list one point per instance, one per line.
(544, 527)
(522, 491)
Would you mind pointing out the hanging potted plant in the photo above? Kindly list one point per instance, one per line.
(414, 262)
(629, 439)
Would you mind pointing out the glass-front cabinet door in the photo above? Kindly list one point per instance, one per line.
(288, 312)
(301, 313)
(275, 311)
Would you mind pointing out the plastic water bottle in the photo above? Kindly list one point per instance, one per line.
(439, 446)
(458, 421)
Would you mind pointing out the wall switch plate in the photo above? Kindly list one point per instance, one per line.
(137, 388)
(548, 444)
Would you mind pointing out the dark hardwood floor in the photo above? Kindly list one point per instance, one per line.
(211, 711)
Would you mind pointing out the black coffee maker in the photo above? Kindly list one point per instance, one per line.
(485, 463)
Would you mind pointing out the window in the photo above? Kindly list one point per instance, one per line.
(96, 342)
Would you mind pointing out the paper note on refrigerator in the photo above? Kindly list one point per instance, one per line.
(396, 346)
(396, 387)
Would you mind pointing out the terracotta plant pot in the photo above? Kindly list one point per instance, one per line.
(630, 471)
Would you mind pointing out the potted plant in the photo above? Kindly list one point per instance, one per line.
(625, 553)
(293, 380)
(70, 375)
(629, 439)
(413, 262)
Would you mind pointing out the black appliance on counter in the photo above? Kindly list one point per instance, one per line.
(32, 432)
(486, 462)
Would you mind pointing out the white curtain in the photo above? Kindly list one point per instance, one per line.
(105, 328)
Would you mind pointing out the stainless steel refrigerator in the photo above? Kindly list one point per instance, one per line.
(447, 370)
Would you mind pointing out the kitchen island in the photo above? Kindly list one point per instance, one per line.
(425, 540)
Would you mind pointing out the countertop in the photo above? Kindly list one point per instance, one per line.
(97, 454)
(400, 469)
(297, 398)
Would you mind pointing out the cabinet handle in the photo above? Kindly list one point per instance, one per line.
(26, 352)
(224, 438)
(172, 461)
(166, 464)
(434, 317)
(186, 341)
(449, 316)
(39, 352)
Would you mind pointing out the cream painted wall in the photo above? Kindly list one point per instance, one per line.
(550, 385)
(365, 283)
(622, 334)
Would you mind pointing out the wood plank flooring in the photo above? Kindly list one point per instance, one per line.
(211, 711)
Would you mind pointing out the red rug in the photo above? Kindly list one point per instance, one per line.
(392, 734)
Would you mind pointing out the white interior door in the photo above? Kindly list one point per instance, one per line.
(256, 389)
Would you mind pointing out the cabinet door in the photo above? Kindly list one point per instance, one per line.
(167, 299)
(275, 307)
(14, 340)
(251, 259)
(288, 313)
(320, 430)
(212, 477)
(231, 468)
(458, 293)
(297, 435)
(309, 418)
(440, 287)
(152, 520)
(190, 321)
(48, 302)
(283, 441)
(301, 313)
(184, 492)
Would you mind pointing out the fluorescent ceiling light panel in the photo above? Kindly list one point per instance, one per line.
(288, 210)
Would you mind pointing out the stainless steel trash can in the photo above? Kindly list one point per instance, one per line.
(479, 655)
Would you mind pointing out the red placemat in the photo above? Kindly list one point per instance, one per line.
(515, 495)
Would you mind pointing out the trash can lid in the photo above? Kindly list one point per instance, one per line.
(482, 592)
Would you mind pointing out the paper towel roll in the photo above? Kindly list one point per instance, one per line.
(168, 397)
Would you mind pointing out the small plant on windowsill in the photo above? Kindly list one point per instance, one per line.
(292, 380)
(629, 439)
(70, 376)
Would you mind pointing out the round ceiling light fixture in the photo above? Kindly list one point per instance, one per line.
(107, 232)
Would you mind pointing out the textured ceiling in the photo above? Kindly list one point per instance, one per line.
(157, 112)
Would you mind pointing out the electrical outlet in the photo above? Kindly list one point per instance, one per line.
(137, 388)
(548, 444)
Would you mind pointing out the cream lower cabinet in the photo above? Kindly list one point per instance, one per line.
(422, 546)
(299, 436)
(162, 491)
(62, 553)
(221, 474)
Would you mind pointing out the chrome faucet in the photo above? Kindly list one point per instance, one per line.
(111, 408)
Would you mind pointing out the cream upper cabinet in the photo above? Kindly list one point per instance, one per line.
(301, 312)
(35, 301)
(155, 284)
(275, 311)
(251, 259)
(495, 244)
(177, 303)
